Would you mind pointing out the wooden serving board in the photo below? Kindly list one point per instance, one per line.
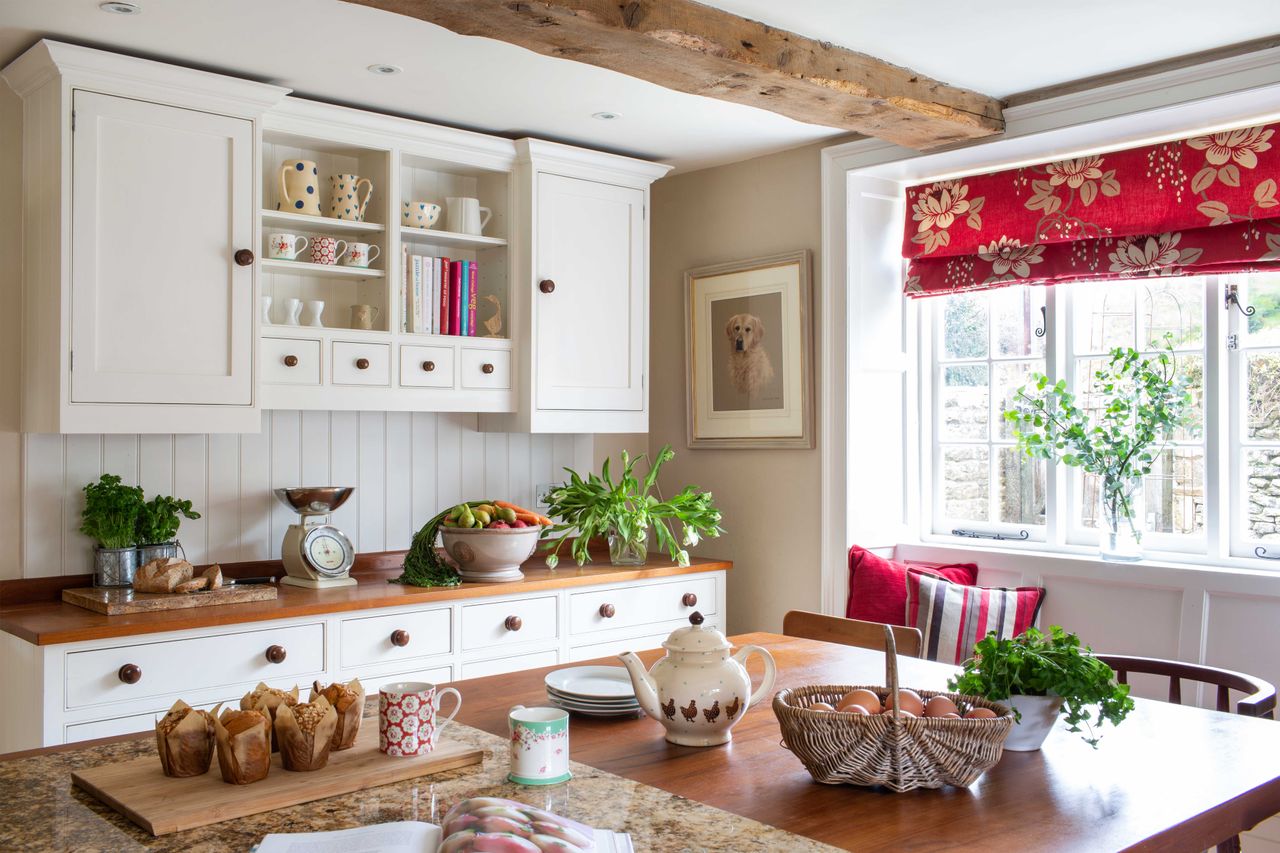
(113, 602)
(140, 791)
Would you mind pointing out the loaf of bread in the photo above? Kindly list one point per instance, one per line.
(214, 575)
(163, 574)
(185, 741)
(193, 585)
(244, 746)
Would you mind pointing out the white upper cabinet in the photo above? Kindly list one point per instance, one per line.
(160, 311)
(589, 307)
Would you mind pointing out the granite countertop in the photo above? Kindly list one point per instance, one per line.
(44, 812)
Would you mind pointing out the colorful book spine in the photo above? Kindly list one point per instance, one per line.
(404, 288)
(446, 290)
(474, 270)
(415, 324)
(465, 278)
(435, 296)
(455, 303)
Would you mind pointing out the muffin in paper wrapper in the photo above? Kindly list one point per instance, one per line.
(348, 700)
(185, 740)
(267, 700)
(304, 732)
(244, 745)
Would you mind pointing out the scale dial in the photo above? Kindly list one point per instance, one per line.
(328, 551)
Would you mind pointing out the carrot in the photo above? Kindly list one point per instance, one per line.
(528, 516)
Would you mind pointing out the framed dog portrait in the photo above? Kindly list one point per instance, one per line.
(749, 353)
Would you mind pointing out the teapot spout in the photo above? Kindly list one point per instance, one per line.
(646, 690)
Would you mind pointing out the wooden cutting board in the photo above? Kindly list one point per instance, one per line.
(113, 602)
(140, 791)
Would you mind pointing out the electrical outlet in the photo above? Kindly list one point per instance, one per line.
(540, 491)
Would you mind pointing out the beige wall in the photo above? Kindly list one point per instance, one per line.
(10, 328)
(770, 498)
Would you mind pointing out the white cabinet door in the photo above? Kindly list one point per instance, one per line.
(590, 329)
(162, 200)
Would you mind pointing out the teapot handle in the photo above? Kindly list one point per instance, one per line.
(766, 685)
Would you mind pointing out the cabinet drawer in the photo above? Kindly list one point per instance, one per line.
(426, 367)
(640, 605)
(508, 622)
(176, 666)
(372, 639)
(434, 675)
(474, 362)
(290, 361)
(515, 663)
(348, 359)
(135, 724)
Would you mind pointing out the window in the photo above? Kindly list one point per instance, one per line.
(1215, 490)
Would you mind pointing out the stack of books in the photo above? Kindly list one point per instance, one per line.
(438, 295)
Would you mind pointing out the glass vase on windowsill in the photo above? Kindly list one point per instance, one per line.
(1120, 519)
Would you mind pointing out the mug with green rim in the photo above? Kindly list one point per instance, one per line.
(539, 741)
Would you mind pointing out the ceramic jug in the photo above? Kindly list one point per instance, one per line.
(698, 691)
(299, 187)
(345, 201)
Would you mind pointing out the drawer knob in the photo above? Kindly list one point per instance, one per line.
(428, 366)
(130, 673)
(547, 286)
(275, 654)
(399, 637)
(244, 257)
(290, 361)
(513, 623)
(607, 610)
(362, 364)
(486, 368)
(689, 600)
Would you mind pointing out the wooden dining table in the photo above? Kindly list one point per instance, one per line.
(1169, 778)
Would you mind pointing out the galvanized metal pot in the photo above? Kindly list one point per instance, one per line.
(147, 553)
(114, 566)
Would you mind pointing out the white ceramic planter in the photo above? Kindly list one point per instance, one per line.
(1039, 713)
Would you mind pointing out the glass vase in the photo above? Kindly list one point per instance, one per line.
(1120, 519)
(624, 552)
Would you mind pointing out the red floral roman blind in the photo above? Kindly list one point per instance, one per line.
(1206, 204)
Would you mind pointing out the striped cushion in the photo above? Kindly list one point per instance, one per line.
(954, 617)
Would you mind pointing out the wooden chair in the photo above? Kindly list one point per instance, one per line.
(850, 632)
(1259, 699)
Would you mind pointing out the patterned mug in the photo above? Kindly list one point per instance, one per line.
(285, 247)
(420, 214)
(299, 190)
(361, 254)
(539, 741)
(344, 196)
(327, 250)
(407, 717)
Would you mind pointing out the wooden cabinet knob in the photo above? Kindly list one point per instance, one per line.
(513, 623)
(689, 600)
(275, 654)
(130, 673)
(607, 610)
(399, 637)
(486, 368)
(290, 361)
(428, 366)
(547, 286)
(244, 257)
(362, 364)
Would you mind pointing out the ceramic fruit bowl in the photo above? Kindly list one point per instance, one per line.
(490, 555)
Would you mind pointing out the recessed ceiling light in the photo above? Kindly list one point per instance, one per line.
(384, 69)
(117, 8)
(605, 116)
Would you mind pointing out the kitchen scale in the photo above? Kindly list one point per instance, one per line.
(316, 554)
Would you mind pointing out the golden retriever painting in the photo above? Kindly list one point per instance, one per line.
(750, 367)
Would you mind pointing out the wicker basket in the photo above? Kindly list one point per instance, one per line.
(900, 753)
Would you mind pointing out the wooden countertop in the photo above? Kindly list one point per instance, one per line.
(48, 623)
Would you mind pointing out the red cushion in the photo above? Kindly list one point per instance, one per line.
(953, 617)
(878, 587)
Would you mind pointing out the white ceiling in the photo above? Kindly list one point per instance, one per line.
(320, 48)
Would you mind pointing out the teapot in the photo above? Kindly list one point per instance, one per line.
(698, 691)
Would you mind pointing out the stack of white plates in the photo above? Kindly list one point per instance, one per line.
(597, 691)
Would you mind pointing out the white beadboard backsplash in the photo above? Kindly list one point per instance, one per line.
(405, 468)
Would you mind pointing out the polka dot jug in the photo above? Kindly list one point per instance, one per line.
(299, 187)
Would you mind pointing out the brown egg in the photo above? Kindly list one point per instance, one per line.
(909, 700)
(980, 714)
(940, 706)
(863, 697)
(854, 709)
(949, 717)
(902, 713)
(820, 706)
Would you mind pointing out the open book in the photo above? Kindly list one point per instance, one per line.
(477, 824)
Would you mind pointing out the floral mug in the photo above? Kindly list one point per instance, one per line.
(407, 717)
(539, 740)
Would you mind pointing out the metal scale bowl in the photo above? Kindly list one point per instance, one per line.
(316, 554)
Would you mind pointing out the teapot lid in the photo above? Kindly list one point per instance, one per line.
(696, 638)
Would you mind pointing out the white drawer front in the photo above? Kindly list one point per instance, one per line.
(474, 373)
(201, 663)
(486, 625)
(640, 605)
(290, 361)
(434, 675)
(426, 367)
(348, 359)
(109, 728)
(369, 640)
(480, 669)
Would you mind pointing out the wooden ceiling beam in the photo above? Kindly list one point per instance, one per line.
(701, 50)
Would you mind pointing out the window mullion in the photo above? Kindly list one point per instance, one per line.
(1219, 422)
(1056, 358)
